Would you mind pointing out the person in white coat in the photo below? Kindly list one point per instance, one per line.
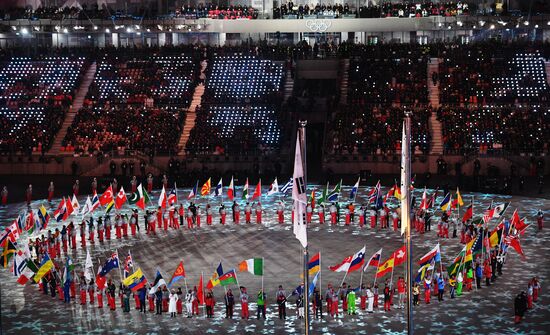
(173, 303)
(189, 303)
(370, 299)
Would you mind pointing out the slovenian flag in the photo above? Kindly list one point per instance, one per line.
(434, 254)
(351, 263)
(354, 190)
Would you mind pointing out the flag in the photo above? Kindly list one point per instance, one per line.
(335, 193)
(29, 222)
(435, 254)
(314, 264)
(499, 210)
(458, 201)
(69, 210)
(385, 268)
(69, 267)
(324, 196)
(446, 202)
(128, 264)
(139, 198)
(88, 266)
(399, 256)
(424, 201)
(110, 206)
(99, 280)
(95, 202)
(394, 191)
(43, 217)
(273, 188)
(111, 263)
(45, 266)
(19, 263)
(288, 186)
(179, 273)
(9, 249)
(299, 196)
(374, 194)
(159, 281)
(253, 265)
(245, 190)
(107, 196)
(74, 203)
(205, 190)
(120, 198)
(219, 189)
(173, 196)
(135, 281)
(518, 223)
(231, 190)
(60, 211)
(468, 214)
(350, 263)
(405, 181)
(494, 239)
(298, 290)
(513, 241)
(229, 277)
(313, 284)
(425, 268)
(258, 190)
(433, 198)
(215, 279)
(11, 233)
(87, 206)
(28, 272)
(374, 260)
(162, 198)
(354, 189)
(200, 292)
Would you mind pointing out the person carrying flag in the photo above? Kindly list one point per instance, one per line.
(100, 229)
(108, 226)
(83, 289)
(261, 304)
(258, 213)
(281, 302)
(83, 234)
(333, 214)
(372, 215)
(223, 214)
(247, 213)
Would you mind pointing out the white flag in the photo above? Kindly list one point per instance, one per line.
(274, 187)
(405, 180)
(87, 206)
(75, 204)
(299, 196)
(88, 266)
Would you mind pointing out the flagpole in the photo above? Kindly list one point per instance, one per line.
(119, 270)
(377, 267)
(320, 276)
(263, 267)
(302, 134)
(203, 292)
(408, 241)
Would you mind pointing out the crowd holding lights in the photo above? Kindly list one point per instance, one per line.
(34, 97)
(525, 78)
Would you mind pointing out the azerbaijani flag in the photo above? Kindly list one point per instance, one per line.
(253, 265)
(229, 277)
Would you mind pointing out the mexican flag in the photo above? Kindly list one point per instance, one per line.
(253, 265)
(140, 198)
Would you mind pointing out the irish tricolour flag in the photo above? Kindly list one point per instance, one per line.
(253, 265)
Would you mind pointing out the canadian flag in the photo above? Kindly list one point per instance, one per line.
(120, 198)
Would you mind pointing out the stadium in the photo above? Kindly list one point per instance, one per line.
(274, 167)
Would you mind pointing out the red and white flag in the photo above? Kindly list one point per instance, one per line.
(120, 198)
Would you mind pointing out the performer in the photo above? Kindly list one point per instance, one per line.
(149, 183)
(370, 297)
(321, 213)
(83, 234)
(223, 214)
(198, 217)
(111, 291)
(29, 194)
(281, 302)
(229, 303)
(244, 304)
(91, 291)
(261, 304)
(351, 302)
(333, 214)
(50, 191)
(540, 219)
(195, 301)
(83, 289)
(210, 302)
(108, 225)
(100, 229)
(179, 303)
(208, 214)
(76, 187)
(361, 215)
(247, 212)
(172, 309)
(4, 195)
(372, 214)
(259, 213)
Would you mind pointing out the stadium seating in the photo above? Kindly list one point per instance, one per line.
(34, 97)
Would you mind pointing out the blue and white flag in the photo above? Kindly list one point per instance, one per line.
(219, 189)
(288, 186)
(313, 284)
(354, 190)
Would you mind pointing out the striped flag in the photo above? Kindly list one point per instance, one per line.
(288, 186)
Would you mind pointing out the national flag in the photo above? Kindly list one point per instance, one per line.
(253, 265)
(28, 272)
(299, 196)
(273, 188)
(458, 201)
(385, 268)
(229, 277)
(424, 201)
(219, 189)
(518, 223)
(110, 206)
(399, 256)
(335, 193)
(88, 266)
(313, 284)
(324, 196)
(374, 194)
(29, 221)
(69, 267)
(433, 198)
(205, 189)
(215, 279)
(258, 190)
(423, 269)
(288, 186)
(513, 241)
(87, 206)
(120, 198)
(45, 266)
(394, 191)
(60, 211)
(135, 281)
(455, 265)
(75, 204)
(435, 254)
(245, 190)
(314, 264)
(351, 263)
(200, 292)
(162, 198)
(107, 196)
(446, 202)
(11, 233)
(99, 280)
(95, 202)
(495, 237)
(179, 273)
(173, 196)
(231, 190)
(139, 198)
(499, 210)
(128, 264)
(354, 189)
(298, 290)
(43, 217)
(374, 260)
(9, 249)
(69, 210)
(19, 263)
(468, 214)
(159, 281)
(111, 263)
